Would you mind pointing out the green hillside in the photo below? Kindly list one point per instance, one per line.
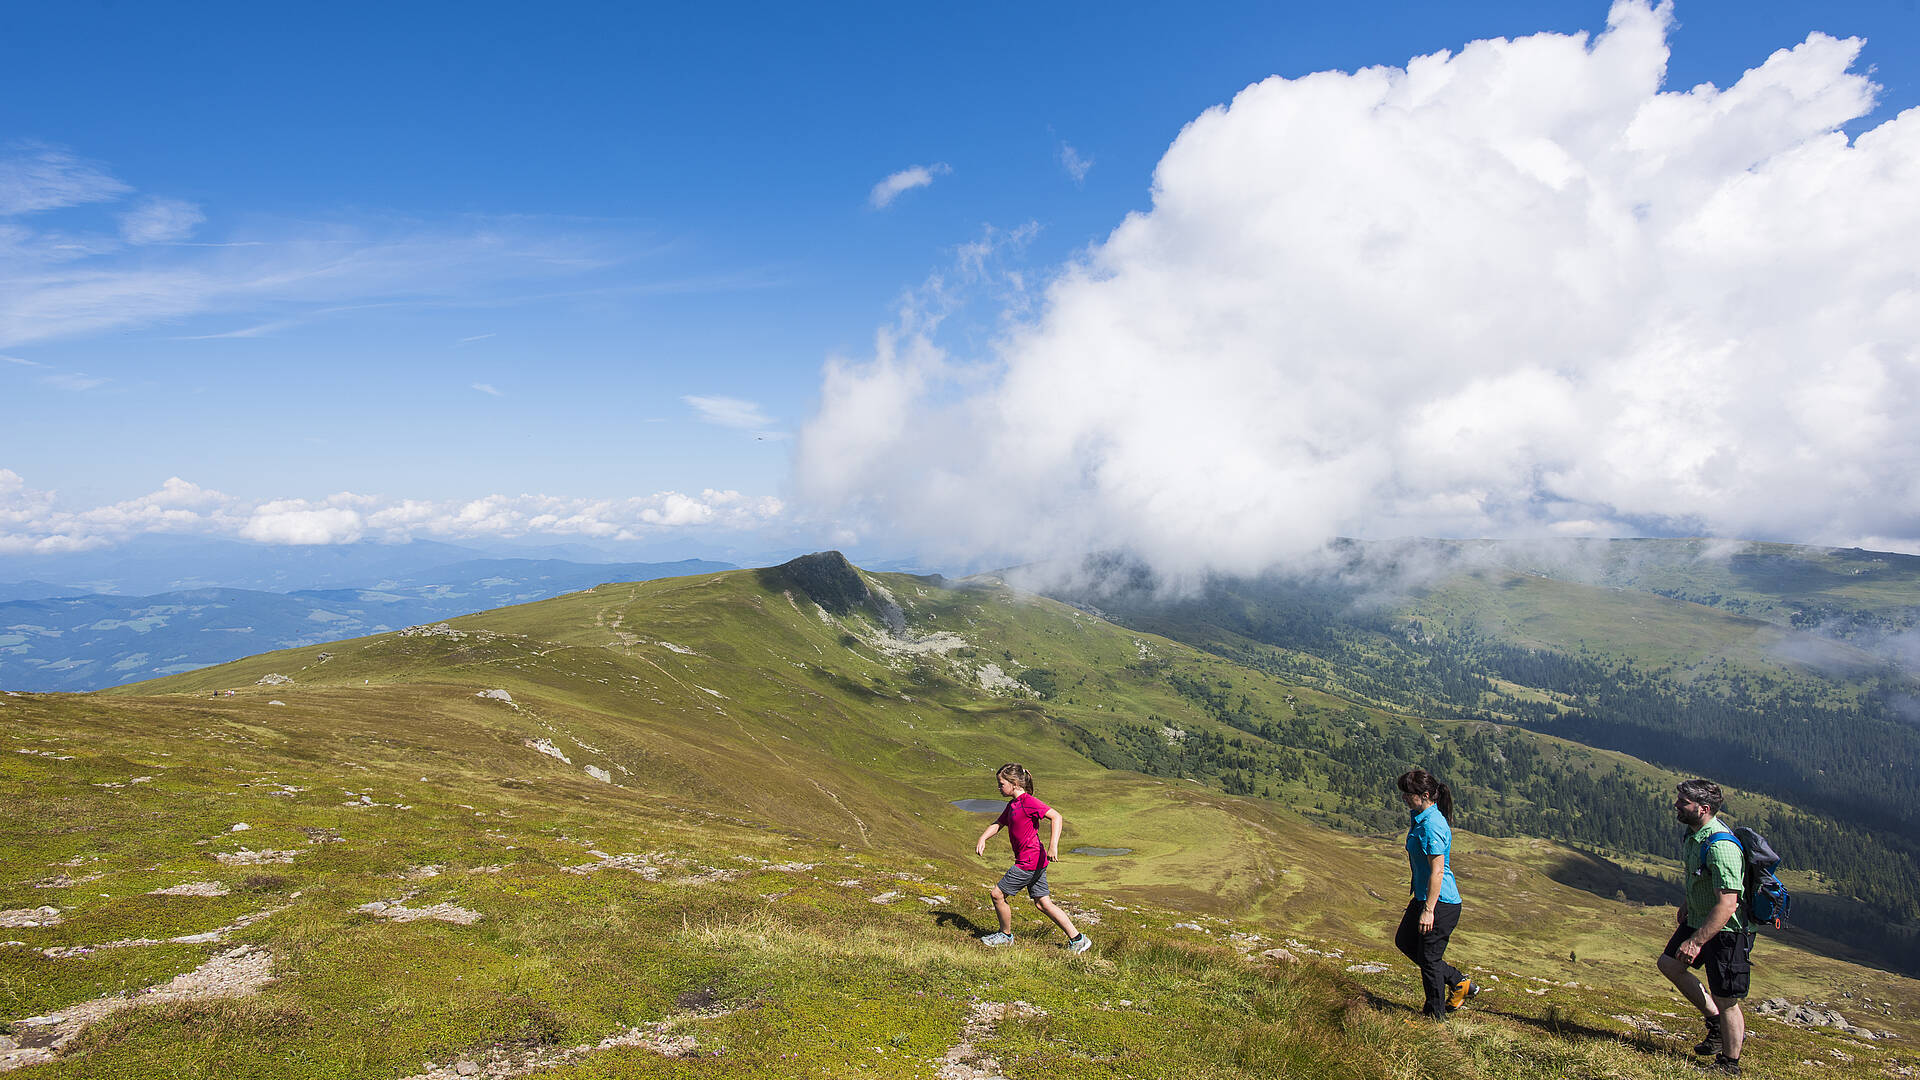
(1480, 632)
(704, 827)
(1847, 591)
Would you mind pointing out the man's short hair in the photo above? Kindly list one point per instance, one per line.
(1704, 792)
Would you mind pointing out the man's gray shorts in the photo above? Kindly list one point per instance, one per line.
(1015, 879)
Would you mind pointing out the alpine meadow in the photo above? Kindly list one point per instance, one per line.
(990, 541)
(707, 826)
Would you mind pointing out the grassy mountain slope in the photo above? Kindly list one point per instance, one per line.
(707, 831)
(1845, 589)
(1480, 632)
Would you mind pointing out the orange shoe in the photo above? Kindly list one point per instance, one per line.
(1461, 991)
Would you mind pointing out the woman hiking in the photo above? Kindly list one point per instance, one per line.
(1435, 908)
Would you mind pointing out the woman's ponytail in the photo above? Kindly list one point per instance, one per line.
(1422, 783)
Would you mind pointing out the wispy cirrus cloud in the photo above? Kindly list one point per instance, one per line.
(488, 389)
(35, 177)
(1076, 164)
(76, 381)
(729, 412)
(160, 221)
(69, 277)
(265, 329)
(917, 176)
(60, 380)
(311, 272)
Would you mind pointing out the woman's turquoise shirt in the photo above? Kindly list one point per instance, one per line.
(1431, 835)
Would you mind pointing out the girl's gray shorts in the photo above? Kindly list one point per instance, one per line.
(1015, 879)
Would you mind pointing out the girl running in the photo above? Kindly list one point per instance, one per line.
(1435, 908)
(1022, 819)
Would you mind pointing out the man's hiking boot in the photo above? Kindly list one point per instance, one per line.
(1711, 1044)
(1461, 992)
(1079, 943)
(997, 939)
(1724, 1065)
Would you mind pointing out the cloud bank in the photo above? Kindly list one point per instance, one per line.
(33, 521)
(1518, 290)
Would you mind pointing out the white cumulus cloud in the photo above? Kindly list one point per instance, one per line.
(293, 521)
(917, 176)
(1522, 289)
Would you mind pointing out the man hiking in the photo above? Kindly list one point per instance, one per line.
(1712, 931)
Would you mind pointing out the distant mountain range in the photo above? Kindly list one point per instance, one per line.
(55, 637)
(161, 564)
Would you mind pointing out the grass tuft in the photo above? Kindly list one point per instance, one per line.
(259, 1020)
(261, 883)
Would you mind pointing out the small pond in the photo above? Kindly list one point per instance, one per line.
(1102, 851)
(981, 806)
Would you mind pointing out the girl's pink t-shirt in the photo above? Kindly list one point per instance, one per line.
(1022, 819)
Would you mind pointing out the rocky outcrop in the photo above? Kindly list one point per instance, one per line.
(829, 580)
(1807, 1014)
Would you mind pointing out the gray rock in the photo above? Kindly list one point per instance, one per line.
(466, 1068)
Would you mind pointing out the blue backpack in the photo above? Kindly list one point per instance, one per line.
(1764, 899)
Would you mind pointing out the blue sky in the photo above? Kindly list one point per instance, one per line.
(602, 252)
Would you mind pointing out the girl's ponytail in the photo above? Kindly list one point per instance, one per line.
(1016, 774)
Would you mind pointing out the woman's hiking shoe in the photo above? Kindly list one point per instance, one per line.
(997, 939)
(1725, 1065)
(1711, 1044)
(1461, 992)
(1079, 944)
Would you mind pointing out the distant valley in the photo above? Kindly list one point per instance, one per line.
(58, 638)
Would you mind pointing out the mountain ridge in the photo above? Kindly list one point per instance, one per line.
(743, 730)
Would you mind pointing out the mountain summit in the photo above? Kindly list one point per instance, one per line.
(828, 579)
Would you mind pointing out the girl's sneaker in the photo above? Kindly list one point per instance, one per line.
(997, 939)
(1079, 944)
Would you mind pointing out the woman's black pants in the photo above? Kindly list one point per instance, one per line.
(1429, 950)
